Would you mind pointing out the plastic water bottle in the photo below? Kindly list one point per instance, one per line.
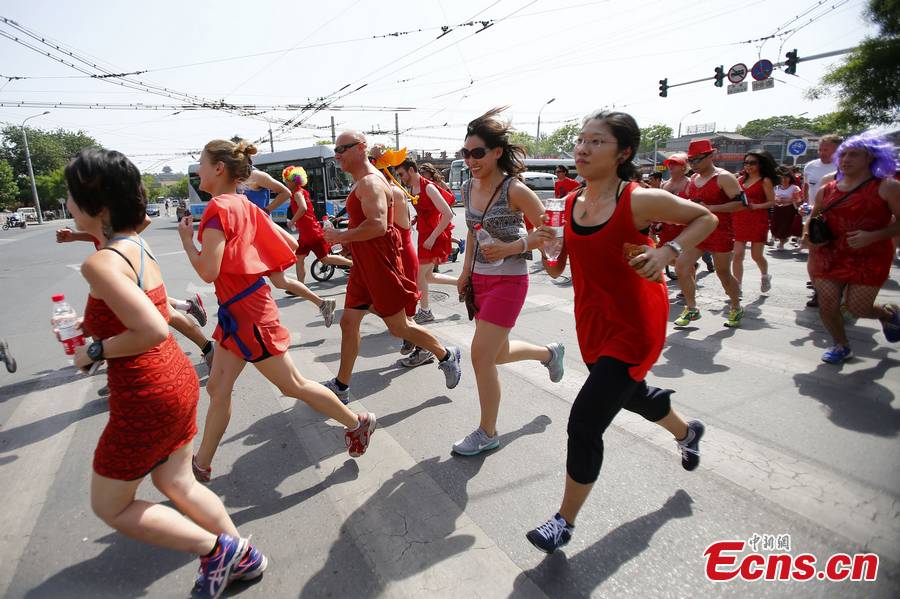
(555, 208)
(65, 323)
(484, 239)
(326, 224)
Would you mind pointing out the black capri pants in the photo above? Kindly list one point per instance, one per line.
(608, 389)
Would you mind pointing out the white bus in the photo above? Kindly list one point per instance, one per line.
(328, 185)
(459, 172)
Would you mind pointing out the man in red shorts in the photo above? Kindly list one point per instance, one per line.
(720, 192)
(377, 282)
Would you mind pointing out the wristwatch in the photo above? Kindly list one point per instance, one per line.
(675, 246)
(95, 351)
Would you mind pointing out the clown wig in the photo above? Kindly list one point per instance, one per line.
(295, 176)
(878, 148)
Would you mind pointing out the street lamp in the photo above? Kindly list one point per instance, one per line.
(537, 139)
(684, 117)
(37, 202)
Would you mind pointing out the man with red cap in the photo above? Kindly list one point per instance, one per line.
(720, 192)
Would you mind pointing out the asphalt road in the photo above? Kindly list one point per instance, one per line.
(793, 446)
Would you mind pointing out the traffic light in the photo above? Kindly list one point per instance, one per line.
(720, 75)
(664, 88)
(790, 65)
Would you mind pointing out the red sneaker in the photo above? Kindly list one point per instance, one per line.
(357, 441)
(201, 474)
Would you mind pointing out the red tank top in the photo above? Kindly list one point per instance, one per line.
(357, 216)
(617, 313)
(308, 226)
(711, 195)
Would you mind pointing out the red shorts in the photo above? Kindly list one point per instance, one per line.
(377, 281)
(317, 246)
(499, 298)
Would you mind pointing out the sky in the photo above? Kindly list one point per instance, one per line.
(581, 54)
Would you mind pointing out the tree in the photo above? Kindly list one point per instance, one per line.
(523, 139)
(561, 140)
(867, 85)
(654, 133)
(9, 191)
(153, 187)
(322, 142)
(180, 189)
(51, 187)
(167, 170)
(758, 128)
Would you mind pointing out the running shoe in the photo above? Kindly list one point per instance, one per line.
(710, 265)
(454, 254)
(103, 391)
(837, 354)
(252, 566)
(690, 445)
(357, 441)
(203, 475)
(208, 356)
(476, 442)
(406, 348)
(215, 571)
(418, 357)
(423, 316)
(462, 246)
(734, 318)
(765, 284)
(555, 364)
(451, 367)
(196, 309)
(890, 327)
(813, 301)
(10, 362)
(327, 311)
(551, 535)
(344, 395)
(688, 315)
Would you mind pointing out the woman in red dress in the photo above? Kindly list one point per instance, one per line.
(153, 386)
(862, 210)
(241, 245)
(621, 305)
(752, 224)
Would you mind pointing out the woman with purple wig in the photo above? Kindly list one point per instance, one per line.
(858, 207)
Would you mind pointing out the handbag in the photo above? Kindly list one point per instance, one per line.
(818, 230)
(469, 290)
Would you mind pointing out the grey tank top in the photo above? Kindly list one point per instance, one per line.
(503, 224)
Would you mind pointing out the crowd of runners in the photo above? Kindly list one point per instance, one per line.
(620, 235)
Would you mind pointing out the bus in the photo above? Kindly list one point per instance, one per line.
(459, 172)
(328, 185)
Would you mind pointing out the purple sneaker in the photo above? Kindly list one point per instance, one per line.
(215, 571)
(252, 566)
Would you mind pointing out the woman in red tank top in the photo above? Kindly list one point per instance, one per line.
(621, 305)
(241, 245)
(862, 210)
(752, 224)
(153, 386)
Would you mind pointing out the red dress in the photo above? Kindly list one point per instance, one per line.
(752, 225)
(617, 313)
(864, 210)
(253, 249)
(410, 263)
(152, 398)
(427, 219)
(377, 280)
(722, 238)
(669, 231)
(310, 235)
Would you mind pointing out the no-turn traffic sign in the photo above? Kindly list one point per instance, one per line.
(737, 73)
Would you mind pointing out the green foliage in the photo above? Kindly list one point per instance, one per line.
(51, 187)
(180, 189)
(562, 140)
(322, 142)
(758, 128)
(154, 189)
(9, 191)
(654, 133)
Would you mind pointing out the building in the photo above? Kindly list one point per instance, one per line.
(731, 147)
(776, 142)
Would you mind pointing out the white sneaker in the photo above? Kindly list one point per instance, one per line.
(765, 283)
(327, 311)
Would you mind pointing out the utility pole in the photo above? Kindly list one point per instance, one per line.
(537, 139)
(34, 194)
(271, 141)
(396, 131)
(332, 130)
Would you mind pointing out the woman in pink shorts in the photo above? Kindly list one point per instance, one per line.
(497, 201)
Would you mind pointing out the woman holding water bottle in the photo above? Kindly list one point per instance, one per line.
(621, 304)
(496, 202)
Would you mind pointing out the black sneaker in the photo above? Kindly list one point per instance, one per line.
(813, 301)
(7, 358)
(551, 535)
(710, 265)
(690, 445)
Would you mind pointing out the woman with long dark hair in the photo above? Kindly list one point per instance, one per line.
(153, 387)
(786, 220)
(752, 224)
(497, 202)
(621, 304)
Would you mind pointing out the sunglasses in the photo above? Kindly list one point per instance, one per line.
(751, 162)
(697, 159)
(476, 153)
(344, 147)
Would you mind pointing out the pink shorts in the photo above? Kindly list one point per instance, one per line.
(499, 298)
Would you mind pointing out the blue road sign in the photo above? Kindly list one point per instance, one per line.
(797, 147)
(762, 69)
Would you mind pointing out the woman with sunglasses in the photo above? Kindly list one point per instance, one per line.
(241, 245)
(862, 210)
(752, 224)
(496, 201)
(621, 305)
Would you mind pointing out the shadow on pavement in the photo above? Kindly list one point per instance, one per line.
(45, 379)
(34, 432)
(561, 576)
(684, 354)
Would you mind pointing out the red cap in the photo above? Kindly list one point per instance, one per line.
(675, 159)
(58, 298)
(699, 147)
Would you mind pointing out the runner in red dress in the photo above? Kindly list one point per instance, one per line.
(377, 282)
(621, 306)
(241, 245)
(153, 386)
(862, 210)
(720, 192)
(752, 224)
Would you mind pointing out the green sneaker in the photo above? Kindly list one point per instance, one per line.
(734, 318)
(687, 316)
